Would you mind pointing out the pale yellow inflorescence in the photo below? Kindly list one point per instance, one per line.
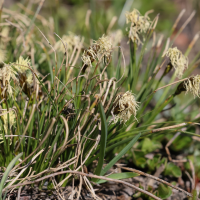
(29, 79)
(139, 24)
(22, 64)
(6, 74)
(12, 118)
(71, 40)
(105, 46)
(88, 57)
(192, 85)
(99, 48)
(178, 61)
(125, 106)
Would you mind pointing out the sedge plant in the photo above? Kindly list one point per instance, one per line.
(68, 106)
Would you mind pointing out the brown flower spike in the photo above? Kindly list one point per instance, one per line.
(125, 106)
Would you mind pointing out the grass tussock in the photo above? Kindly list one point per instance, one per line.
(74, 109)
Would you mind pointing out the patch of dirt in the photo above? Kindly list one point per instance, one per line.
(106, 191)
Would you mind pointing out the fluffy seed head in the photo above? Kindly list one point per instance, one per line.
(21, 63)
(192, 85)
(89, 56)
(102, 46)
(139, 24)
(178, 61)
(12, 117)
(29, 79)
(6, 74)
(105, 46)
(71, 40)
(125, 106)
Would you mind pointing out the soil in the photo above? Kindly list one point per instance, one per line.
(107, 191)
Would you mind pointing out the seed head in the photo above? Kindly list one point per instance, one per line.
(6, 74)
(20, 65)
(178, 61)
(139, 24)
(29, 79)
(71, 40)
(192, 85)
(89, 56)
(102, 46)
(105, 46)
(12, 117)
(125, 106)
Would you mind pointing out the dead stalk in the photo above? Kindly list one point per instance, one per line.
(91, 176)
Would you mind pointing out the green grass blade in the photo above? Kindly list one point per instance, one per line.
(119, 176)
(121, 153)
(104, 132)
(5, 176)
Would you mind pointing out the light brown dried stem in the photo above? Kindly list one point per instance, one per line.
(112, 22)
(183, 26)
(66, 130)
(68, 82)
(80, 188)
(30, 12)
(190, 178)
(111, 97)
(77, 47)
(157, 179)
(24, 168)
(49, 44)
(166, 46)
(19, 192)
(2, 100)
(178, 19)
(66, 53)
(168, 127)
(151, 181)
(39, 145)
(171, 84)
(20, 136)
(193, 174)
(25, 107)
(21, 30)
(87, 18)
(112, 80)
(82, 163)
(91, 176)
(192, 43)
